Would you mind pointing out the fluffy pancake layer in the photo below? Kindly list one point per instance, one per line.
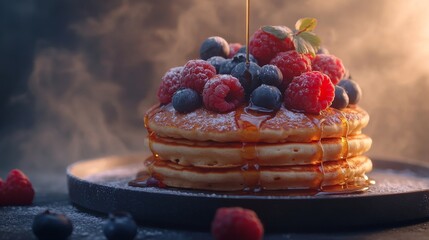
(243, 149)
(283, 126)
(312, 176)
(214, 154)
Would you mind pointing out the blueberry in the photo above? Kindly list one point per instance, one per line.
(50, 225)
(241, 57)
(341, 99)
(271, 75)
(322, 50)
(214, 46)
(248, 75)
(120, 225)
(242, 50)
(186, 100)
(347, 75)
(265, 98)
(227, 66)
(216, 61)
(353, 90)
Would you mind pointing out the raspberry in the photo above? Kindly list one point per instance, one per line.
(196, 73)
(236, 223)
(233, 49)
(18, 189)
(329, 65)
(291, 64)
(265, 46)
(223, 93)
(171, 82)
(311, 92)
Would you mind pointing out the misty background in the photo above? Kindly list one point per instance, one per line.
(77, 76)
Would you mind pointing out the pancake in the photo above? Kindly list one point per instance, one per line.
(215, 154)
(315, 176)
(242, 125)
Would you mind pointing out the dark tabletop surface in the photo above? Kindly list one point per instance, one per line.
(51, 193)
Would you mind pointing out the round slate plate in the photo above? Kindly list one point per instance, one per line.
(401, 194)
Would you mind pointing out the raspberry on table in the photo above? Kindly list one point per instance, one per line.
(171, 82)
(223, 93)
(3, 198)
(265, 46)
(329, 65)
(196, 73)
(311, 92)
(291, 64)
(236, 223)
(17, 189)
(233, 49)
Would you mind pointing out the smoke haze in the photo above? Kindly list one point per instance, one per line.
(88, 96)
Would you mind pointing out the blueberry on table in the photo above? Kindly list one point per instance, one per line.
(50, 225)
(353, 90)
(248, 75)
(341, 99)
(214, 46)
(266, 98)
(271, 75)
(120, 226)
(186, 100)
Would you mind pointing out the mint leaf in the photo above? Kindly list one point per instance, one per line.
(306, 43)
(306, 24)
(311, 38)
(277, 31)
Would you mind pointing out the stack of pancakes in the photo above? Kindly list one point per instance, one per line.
(248, 150)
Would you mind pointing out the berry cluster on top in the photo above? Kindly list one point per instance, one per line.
(285, 67)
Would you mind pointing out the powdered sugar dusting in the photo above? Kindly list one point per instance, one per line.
(198, 120)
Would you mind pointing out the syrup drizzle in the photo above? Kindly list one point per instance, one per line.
(318, 123)
(249, 123)
(247, 30)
